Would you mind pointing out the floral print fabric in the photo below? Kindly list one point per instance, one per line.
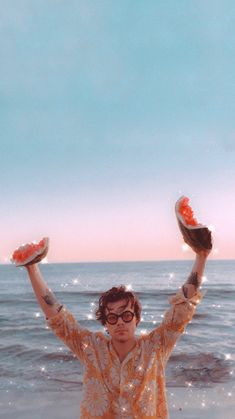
(135, 387)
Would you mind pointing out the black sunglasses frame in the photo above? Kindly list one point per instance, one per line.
(120, 315)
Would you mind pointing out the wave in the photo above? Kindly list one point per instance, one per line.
(22, 351)
(198, 370)
(211, 292)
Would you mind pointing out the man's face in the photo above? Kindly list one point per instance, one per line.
(121, 331)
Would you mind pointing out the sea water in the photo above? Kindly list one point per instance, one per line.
(34, 361)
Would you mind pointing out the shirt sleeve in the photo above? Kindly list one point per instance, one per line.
(66, 328)
(175, 320)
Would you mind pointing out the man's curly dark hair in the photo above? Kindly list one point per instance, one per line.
(116, 294)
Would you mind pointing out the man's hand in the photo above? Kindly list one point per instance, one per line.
(199, 239)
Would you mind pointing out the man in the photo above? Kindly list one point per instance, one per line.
(124, 375)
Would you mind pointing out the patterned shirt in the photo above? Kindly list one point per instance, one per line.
(135, 387)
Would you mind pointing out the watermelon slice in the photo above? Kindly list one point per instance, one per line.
(30, 253)
(196, 235)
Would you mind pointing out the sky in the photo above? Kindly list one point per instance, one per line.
(109, 112)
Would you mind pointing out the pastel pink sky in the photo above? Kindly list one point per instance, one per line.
(137, 231)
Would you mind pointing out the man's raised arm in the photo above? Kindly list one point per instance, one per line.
(28, 255)
(199, 238)
(58, 317)
(195, 278)
(46, 299)
(64, 325)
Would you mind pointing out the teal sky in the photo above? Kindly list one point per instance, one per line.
(109, 111)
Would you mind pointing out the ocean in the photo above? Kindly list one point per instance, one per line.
(35, 364)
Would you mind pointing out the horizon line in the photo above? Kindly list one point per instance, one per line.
(120, 261)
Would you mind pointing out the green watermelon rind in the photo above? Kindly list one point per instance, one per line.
(37, 256)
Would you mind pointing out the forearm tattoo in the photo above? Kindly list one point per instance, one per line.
(51, 300)
(192, 280)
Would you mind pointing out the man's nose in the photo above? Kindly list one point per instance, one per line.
(120, 320)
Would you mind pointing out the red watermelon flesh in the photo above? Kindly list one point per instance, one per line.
(28, 252)
(186, 212)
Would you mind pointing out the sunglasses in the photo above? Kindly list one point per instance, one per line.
(126, 316)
